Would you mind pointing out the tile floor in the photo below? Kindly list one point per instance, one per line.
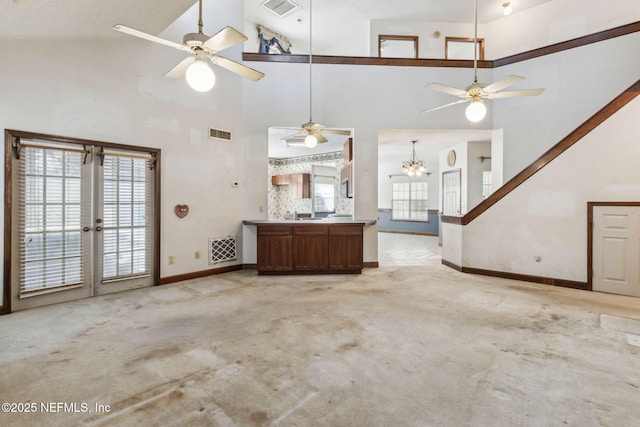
(408, 249)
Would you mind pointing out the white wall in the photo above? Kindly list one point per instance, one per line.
(114, 91)
(553, 22)
(475, 170)
(429, 46)
(365, 98)
(547, 215)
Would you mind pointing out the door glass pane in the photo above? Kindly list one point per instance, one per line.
(50, 243)
(127, 197)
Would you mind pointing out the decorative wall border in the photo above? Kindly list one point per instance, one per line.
(322, 157)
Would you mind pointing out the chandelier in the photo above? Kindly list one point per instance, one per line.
(413, 167)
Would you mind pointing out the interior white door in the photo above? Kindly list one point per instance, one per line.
(451, 198)
(616, 249)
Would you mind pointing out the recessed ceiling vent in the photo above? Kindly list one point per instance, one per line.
(279, 7)
(219, 134)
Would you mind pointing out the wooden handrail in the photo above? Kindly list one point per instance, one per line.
(452, 63)
(590, 124)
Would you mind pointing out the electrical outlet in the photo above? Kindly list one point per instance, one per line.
(197, 254)
(171, 260)
(537, 258)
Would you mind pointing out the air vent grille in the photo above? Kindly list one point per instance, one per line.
(219, 134)
(279, 7)
(222, 249)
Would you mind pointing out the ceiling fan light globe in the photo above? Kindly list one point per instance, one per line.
(310, 141)
(200, 77)
(476, 111)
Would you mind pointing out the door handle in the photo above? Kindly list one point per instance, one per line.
(98, 228)
(85, 229)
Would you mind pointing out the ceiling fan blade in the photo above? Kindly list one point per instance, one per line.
(503, 83)
(146, 36)
(515, 93)
(336, 132)
(179, 70)
(447, 89)
(237, 68)
(295, 136)
(446, 105)
(225, 38)
(320, 137)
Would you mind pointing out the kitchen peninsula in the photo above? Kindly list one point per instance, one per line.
(316, 246)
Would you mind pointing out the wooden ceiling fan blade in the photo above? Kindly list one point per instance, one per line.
(337, 132)
(447, 89)
(503, 83)
(140, 34)
(237, 68)
(516, 93)
(445, 106)
(226, 37)
(179, 70)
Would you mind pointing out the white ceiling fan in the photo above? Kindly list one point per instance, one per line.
(311, 133)
(199, 76)
(477, 92)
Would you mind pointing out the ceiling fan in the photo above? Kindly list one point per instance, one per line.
(477, 92)
(311, 133)
(199, 76)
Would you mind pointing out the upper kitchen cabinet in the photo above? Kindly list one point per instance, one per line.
(300, 184)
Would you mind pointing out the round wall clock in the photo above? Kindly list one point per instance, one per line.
(451, 158)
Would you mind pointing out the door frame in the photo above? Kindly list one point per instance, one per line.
(12, 137)
(447, 172)
(590, 206)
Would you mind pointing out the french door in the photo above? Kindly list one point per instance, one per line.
(82, 221)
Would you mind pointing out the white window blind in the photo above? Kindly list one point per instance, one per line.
(409, 201)
(127, 216)
(50, 229)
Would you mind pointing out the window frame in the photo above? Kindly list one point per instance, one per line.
(410, 201)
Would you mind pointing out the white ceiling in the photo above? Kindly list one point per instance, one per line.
(26, 19)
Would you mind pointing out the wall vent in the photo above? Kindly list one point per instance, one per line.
(279, 7)
(222, 249)
(219, 134)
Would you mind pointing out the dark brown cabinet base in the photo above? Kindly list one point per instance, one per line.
(309, 248)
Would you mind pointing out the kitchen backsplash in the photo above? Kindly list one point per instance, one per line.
(280, 200)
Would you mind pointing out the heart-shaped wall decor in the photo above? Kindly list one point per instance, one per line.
(181, 210)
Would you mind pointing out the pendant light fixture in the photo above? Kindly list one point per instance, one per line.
(507, 8)
(413, 167)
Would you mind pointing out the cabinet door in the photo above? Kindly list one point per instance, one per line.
(275, 249)
(311, 248)
(345, 248)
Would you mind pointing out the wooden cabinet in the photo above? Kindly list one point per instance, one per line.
(300, 184)
(346, 173)
(345, 248)
(275, 249)
(309, 248)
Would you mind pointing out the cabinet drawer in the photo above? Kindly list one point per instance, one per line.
(346, 230)
(311, 230)
(275, 230)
